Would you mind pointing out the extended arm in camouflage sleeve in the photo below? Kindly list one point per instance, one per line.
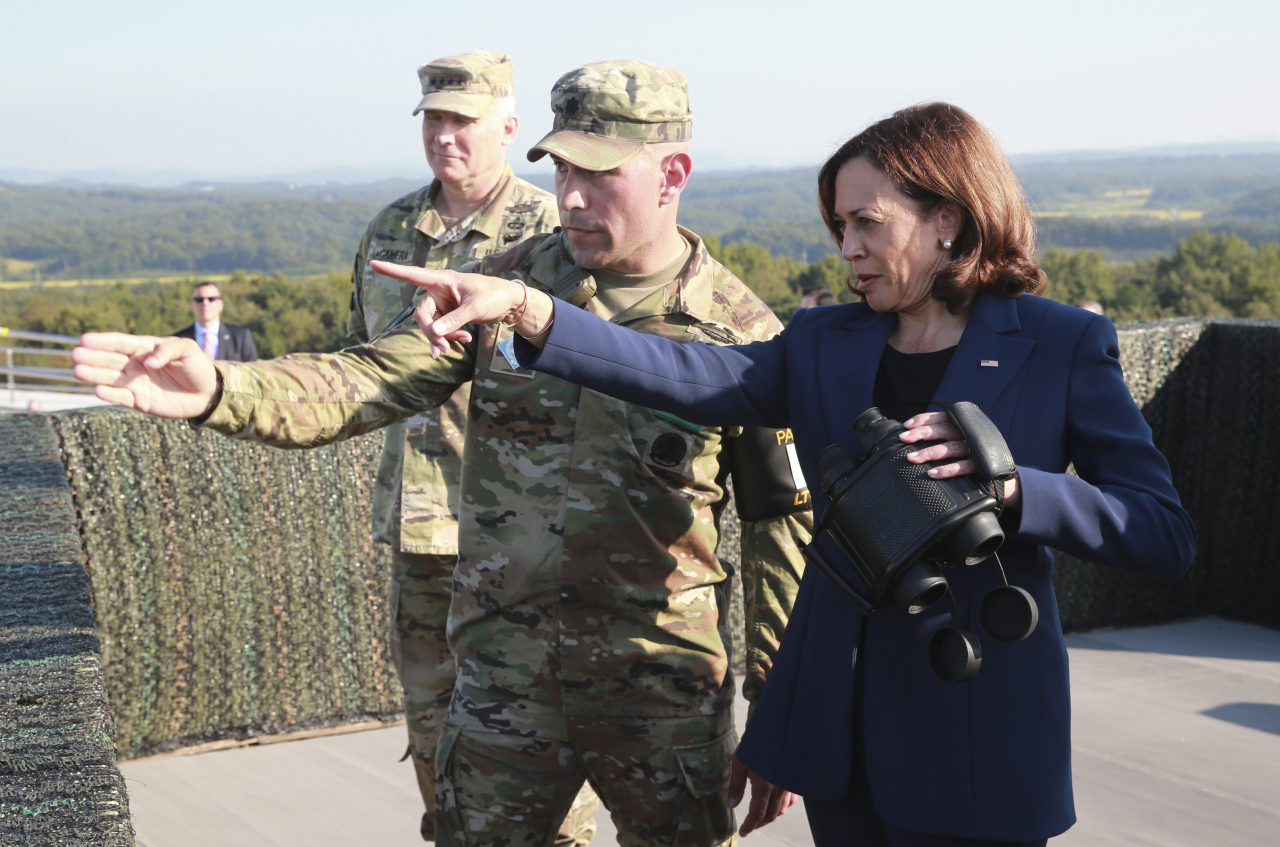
(309, 399)
(771, 570)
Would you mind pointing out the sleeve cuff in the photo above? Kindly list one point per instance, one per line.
(1036, 521)
(223, 416)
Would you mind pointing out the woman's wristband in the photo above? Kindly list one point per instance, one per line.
(542, 331)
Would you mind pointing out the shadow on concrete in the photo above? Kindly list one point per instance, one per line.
(1264, 717)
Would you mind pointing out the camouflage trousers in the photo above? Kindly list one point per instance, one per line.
(421, 588)
(509, 772)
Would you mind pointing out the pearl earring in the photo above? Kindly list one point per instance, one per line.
(946, 245)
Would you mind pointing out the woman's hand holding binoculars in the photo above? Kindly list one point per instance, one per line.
(936, 426)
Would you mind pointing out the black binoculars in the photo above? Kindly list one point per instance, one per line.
(899, 529)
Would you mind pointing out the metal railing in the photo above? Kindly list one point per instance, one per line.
(12, 372)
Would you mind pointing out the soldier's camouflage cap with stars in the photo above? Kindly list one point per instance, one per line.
(606, 112)
(467, 84)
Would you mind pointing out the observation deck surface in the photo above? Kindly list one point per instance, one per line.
(1176, 741)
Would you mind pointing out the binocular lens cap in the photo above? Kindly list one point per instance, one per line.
(1008, 613)
(955, 654)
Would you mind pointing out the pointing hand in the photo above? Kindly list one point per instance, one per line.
(451, 300)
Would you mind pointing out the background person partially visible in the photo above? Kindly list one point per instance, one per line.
(219, 340)
(473, 207)
(1091, 306)
(817, 297)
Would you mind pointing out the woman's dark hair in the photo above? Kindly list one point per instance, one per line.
(936, 153)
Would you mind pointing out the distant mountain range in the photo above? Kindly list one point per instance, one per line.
(1127, 204)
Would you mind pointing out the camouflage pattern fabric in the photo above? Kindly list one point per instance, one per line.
(418, 608)
(508, 771)
(606, 112)
(468, 83)
(587, 577)
(415, 501)
(419, 605)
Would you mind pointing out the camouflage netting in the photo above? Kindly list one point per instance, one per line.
(1211, 392)
(58, 779)
(236, 587)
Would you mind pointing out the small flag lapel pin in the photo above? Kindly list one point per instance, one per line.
(989, 363)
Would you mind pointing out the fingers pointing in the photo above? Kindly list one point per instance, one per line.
(421, 277)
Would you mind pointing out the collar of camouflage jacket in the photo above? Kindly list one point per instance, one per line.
(690, 294)
(487, 219)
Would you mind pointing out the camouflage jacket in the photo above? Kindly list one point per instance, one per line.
(587, 576)
(415, 503)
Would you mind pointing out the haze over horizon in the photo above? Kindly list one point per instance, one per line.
(242, 91)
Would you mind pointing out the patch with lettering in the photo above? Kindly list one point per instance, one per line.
(386, 254)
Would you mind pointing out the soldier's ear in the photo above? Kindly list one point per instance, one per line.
(676, 169)
(510, 126)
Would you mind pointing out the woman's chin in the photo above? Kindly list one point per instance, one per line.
(877, 301)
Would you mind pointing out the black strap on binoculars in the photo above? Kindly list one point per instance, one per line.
(986, 445)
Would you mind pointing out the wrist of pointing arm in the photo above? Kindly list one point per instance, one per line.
(537, 318)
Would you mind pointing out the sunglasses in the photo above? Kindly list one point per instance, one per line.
(204, 299)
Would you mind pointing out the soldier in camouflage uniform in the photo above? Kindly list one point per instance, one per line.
(589, 612)
(475, 206)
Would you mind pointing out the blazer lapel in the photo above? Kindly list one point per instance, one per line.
(988, 337)
(846, 372)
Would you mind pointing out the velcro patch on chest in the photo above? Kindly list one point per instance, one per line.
(670, 449)
(504, 357)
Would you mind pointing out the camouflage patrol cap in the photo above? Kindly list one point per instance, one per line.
(607, 111)
(468, 84)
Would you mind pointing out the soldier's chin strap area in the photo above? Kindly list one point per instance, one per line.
(767, 480)
(572, 284)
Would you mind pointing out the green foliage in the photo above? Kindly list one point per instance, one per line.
(779, 280)
(1073, 277)
(285, 315)
(1207, 275)
(830, 272)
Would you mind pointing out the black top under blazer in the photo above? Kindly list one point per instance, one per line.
(985, 759)
(235, 343)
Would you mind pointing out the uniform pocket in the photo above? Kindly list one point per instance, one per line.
(449, 827)
(706, 768)
(702, 816)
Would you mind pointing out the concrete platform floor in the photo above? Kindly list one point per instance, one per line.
(1176, 738)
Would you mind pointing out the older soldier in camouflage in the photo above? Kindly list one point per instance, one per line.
(475, 206)
(589, 612)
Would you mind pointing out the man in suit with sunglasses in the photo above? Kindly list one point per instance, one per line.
(228, 342)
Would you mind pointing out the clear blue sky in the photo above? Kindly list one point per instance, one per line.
(234, 87)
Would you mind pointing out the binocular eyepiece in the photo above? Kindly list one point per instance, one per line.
(899, 529)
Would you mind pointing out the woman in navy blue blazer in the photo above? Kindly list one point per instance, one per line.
(941, 243)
